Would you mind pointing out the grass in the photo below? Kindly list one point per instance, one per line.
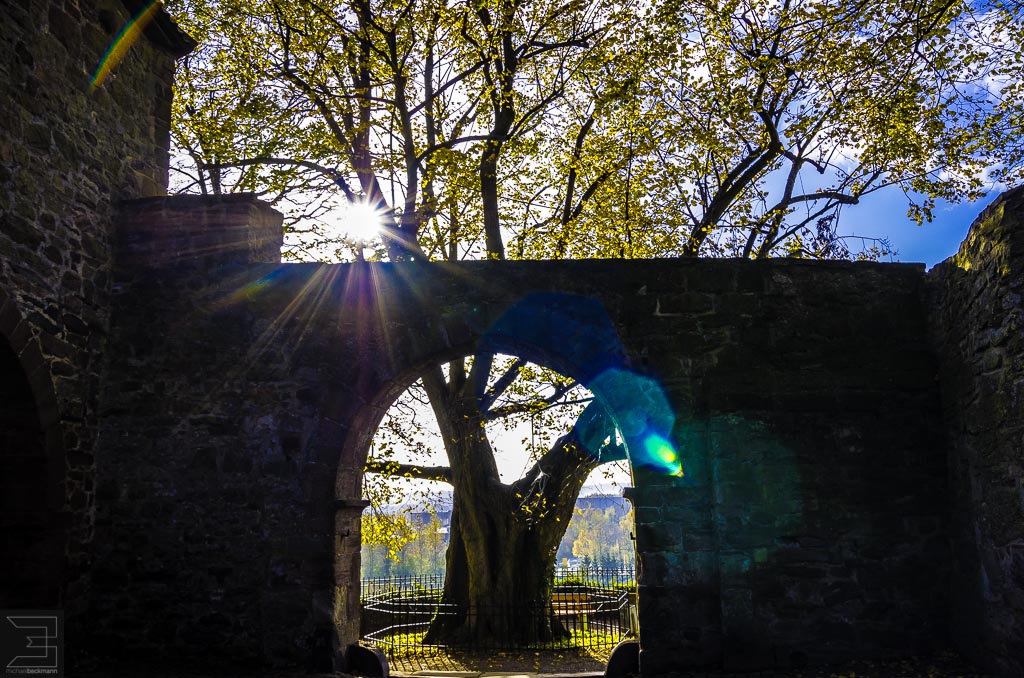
(531, 661)
(580, 638)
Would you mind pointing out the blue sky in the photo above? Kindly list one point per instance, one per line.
(885, 214)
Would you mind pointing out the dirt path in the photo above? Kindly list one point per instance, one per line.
(946, 665)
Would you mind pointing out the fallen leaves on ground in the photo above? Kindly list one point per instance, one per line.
(944, 665)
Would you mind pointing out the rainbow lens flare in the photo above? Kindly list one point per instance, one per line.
(659, 453)
(124, 40)
(574, 335)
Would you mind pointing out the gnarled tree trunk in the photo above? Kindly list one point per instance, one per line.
(504, 537)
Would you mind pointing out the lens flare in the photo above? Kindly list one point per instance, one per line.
(248, 290)
(574, 335)
(124, 40)
(643, 415)
(362, 221)
(660, 454)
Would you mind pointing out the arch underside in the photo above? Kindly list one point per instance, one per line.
(32, 530)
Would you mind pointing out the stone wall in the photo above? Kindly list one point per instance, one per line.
(212, 427)
(978, 319)
(33, 535)
(68, 155)
(809, 526)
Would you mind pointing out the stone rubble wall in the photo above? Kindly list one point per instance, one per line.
(67, 157)
(809, 527)
(198, 230)
(978, 319)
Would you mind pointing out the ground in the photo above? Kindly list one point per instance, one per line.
(561, 665)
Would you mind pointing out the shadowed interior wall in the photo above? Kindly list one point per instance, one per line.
(67, 156)
(978, 320)
(809, 526)
(30, 538)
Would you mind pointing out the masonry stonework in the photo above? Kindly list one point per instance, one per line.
(809, 526)
(183, 419)
(978, 318)
(68, 155)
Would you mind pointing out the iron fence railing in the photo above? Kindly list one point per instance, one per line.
(608, 577)
(374, 588)
(590, 608)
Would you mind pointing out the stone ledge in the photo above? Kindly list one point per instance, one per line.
(204, 230)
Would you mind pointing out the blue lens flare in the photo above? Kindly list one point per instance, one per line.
(643, 414)
(573, 335)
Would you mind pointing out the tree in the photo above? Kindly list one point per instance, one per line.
(504, 536)
(702, 127)
(419, 108)
(385, 535)
(464, 93)
(395, 546)
(603, 535)
(694, 127)
(764, 121)
(429, 548)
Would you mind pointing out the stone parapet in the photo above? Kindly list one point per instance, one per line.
(198, 230)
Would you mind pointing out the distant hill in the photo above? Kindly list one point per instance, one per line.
(596, 501)
(603, 502)
(604, 540)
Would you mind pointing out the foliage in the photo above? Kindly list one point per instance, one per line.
(756, 124)
(416, 550)
(392, 531)
(602, 536)
(414, 107)
(682, 127)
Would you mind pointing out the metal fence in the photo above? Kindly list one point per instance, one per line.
(590, 608)
(607, 577)
(373, 589)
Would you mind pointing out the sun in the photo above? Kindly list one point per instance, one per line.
(361, 221)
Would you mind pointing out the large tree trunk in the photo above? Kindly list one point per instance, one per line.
(497, 590)
(504, 538)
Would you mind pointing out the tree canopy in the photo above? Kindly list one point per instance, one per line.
(591, 128)
(769, 118)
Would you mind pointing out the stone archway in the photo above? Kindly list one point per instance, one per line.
(274, 370)
(570, 334)
(33, 534)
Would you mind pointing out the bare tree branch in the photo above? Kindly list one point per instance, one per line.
(501, 385)
(442, 474)
(334, 175)
(531, 406)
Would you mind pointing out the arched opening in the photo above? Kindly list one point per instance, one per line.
(568, 333)
(517, 444)
(31, 534)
